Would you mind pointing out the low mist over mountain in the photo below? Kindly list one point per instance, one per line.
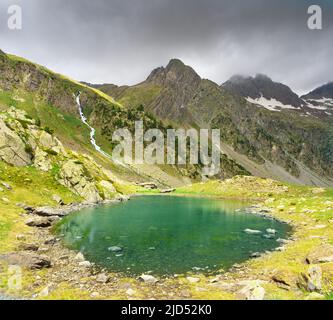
(262, 90)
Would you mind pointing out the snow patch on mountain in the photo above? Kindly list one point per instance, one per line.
(270, 104)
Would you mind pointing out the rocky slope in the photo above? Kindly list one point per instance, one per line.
(49, 98)
(321, 99)
(288, 145)
(24, 143)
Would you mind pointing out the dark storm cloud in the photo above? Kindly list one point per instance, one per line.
(120, 41)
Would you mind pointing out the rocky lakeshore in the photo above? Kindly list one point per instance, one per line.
(57, 272)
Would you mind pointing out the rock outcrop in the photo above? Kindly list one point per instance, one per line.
(23, 143)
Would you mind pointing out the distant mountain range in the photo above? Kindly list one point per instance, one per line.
(291, 143)
(266, 128)
(263, 91)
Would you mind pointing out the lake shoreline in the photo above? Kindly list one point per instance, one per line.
(107, 285)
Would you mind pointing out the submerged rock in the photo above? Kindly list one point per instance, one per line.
(271, 231)
(115, 249)
(251, 231)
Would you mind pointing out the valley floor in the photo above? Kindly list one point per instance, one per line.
(302, 268)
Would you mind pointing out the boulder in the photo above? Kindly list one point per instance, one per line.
(79, 257)
(168, 190)
(102, 278)
(73, 175)
(284, 279)
(192, 279)
(12, 149)
(321, 254)
(148, 279)
(252, 291)
(6, 185)
(49, 212)
(42, 160)
(312, 279)
(38, 222)
(28, 247)
(85, 264)
(58, 199)
(26, 260)
(148, 185)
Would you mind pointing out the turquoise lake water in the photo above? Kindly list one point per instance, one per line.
(168, 235)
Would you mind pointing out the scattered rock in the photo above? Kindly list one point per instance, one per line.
(28, 247)
(38, 222)
(79, 257)
(20, 237)
(130, 292)
(315, 296)
(85, 264)
(252, 291)
(167, 190)
(284, 279)
(318, 227)
(102, 278)
(27, 260)
(148, 279)
(45, 292)
(185, 294)
(115, 249)
(148, 185)
(6, 185)
(283, 241)
(193, 280)
(50, 241)
(250, 231)
(49, 212)
(312, 280)
(269, 236)
(321, 254)
(255, 255)
(318, 190)
(58, 199)
(95, 295)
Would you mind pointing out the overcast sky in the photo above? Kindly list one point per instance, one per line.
(121, 41)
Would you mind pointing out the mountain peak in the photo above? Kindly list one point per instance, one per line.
(262, 77)
(261, 87)
(175, 72)
(325, 91)
(175, 63)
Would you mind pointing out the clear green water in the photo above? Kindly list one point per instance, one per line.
(168, 235)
